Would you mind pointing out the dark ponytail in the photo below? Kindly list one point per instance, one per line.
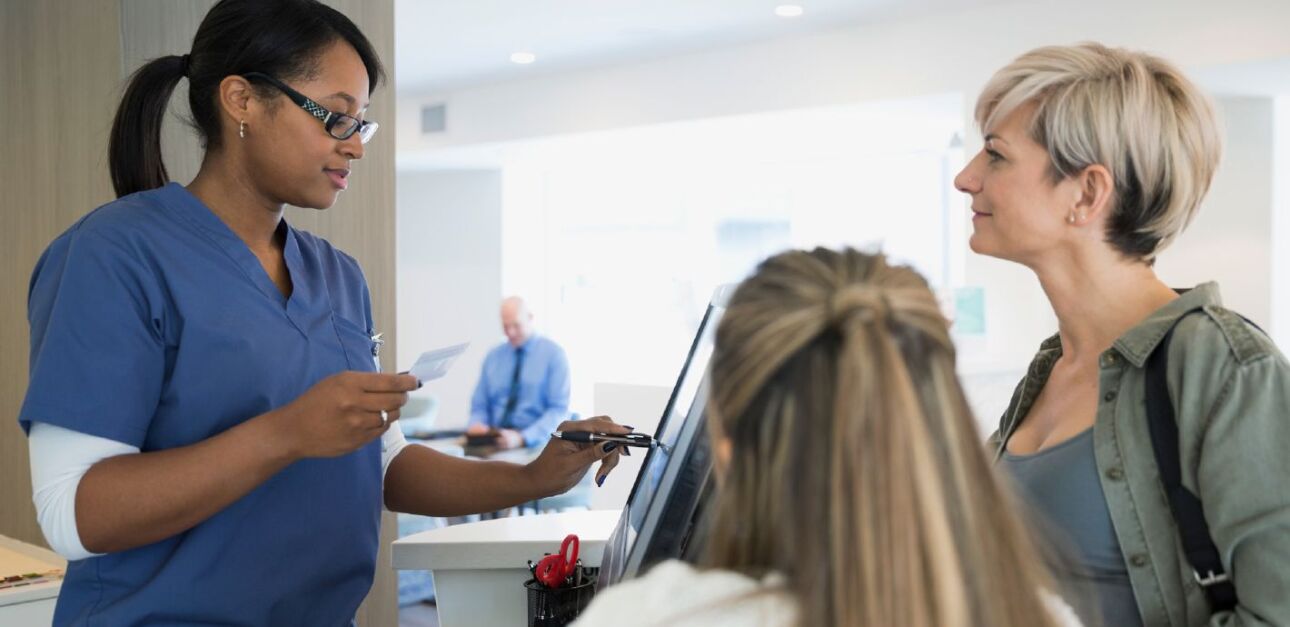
(281, 38)
(134, 151)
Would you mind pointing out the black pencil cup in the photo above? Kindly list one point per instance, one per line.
(559, 607)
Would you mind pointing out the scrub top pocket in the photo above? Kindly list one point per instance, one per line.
(360, 349)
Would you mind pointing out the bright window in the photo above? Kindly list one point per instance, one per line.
(618, 239)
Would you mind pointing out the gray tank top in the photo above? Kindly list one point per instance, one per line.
(1061, 486)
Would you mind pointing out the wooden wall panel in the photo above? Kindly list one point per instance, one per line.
(64, 63)
(362, 223)
(59, 71)
(157, 28)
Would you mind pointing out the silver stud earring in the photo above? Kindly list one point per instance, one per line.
(241, 132)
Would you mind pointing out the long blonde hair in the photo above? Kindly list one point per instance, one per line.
(856, 470)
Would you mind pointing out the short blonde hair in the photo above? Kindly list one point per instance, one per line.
(1131, 112)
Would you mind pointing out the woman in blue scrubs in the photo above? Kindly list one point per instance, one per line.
(210, 436)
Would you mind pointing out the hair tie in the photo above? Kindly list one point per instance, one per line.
(183, 62)
(868, 302)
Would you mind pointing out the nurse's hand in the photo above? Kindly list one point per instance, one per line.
(562, 464)
(341, 413)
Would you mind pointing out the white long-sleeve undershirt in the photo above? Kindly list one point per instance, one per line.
(60, 457)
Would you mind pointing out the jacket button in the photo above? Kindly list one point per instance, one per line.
(1110, 396)
(1138, 560)
(1115, 474)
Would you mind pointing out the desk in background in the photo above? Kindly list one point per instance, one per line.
(29, 603)
(480, 568)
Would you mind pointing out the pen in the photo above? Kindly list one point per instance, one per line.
(587, 437)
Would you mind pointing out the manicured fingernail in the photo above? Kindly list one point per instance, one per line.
(419, 384)
(600, 481)
(609, 447)
(627, 451)
(629, 427)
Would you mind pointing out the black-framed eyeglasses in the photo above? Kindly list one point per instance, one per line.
(338, 125)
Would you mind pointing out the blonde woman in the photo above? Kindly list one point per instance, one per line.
(853, 488)
(1095, 159)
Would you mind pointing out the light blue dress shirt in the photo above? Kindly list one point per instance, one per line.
(543, 399)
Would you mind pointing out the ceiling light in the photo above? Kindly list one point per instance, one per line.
(523, 58)
(788, 10)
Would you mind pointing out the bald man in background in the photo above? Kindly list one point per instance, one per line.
(523, 388)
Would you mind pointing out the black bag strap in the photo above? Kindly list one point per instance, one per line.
(1199, 547)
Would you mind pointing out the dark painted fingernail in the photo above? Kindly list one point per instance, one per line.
(609, 447)
(600, 481)
(629, 427)
(418, 384)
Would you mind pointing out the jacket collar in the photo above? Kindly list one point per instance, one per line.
(1138, 342)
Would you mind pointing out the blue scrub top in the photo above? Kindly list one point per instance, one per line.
(153, 324)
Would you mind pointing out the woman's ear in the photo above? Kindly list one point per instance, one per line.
(1095, 194)
(236, 100)
(722, 449)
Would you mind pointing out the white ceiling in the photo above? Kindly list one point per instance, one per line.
(448, 44)
(835, 133)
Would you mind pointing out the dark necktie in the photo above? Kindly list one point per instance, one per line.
(513, 397)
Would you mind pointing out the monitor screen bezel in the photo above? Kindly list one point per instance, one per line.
(650, 512)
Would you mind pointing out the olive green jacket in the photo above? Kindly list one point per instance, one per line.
(1230, 388)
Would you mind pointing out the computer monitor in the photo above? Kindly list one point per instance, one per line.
(660, 516)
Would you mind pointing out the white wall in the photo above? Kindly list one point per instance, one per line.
(940, 53)
(1281, 222)
(449, 277)
(640, 406)
(1231, 238)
